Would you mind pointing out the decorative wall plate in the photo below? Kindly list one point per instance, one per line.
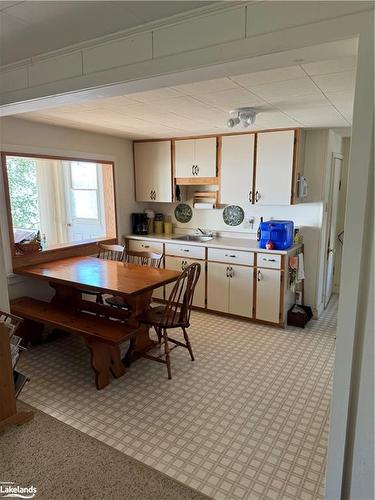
(233, 215)
(183, 213)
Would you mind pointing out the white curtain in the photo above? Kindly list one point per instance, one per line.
(52, 206)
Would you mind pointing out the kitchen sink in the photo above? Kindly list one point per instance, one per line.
(193, 237)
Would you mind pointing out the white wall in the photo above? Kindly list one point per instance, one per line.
(17, 135)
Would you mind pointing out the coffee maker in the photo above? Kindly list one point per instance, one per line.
(139, 223)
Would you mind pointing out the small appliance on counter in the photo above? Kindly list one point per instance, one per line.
(276, 234)
(139, 223)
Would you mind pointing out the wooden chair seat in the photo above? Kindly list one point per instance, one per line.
(155, 316)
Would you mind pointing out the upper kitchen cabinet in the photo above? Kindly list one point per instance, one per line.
(153, 171)
(275, 176)
(196, 160)
(237, 167)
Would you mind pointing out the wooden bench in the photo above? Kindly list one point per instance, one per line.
(102, 335)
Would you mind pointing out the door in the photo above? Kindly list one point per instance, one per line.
(241, 290)
(184, 158)
(268, 295)
(180, 264)
(84, 200)
(274, 168)
(218, 287)
(237, 163)
(143, 159)
(332, 209)
(205, 157)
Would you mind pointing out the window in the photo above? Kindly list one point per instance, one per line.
(65, 200)
(84, 190)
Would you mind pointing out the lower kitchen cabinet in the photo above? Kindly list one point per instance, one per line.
(179, 264)
(230, 289)
(268, 295)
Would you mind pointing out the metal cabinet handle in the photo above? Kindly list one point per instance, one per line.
(228, 255)
(151, 194)
(145, 246)
(250, 196)
(227, 272)
(231, 272)
(197, 169)
(154, 195)
(184, 250)
(257, 196)
(259, 276)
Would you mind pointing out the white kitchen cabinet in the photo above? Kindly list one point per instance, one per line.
(268, 295)
(217, 287)
(274, 168)
(237, 166)
(179, 264)
(195, 158)
(230, 289)
(153, 171)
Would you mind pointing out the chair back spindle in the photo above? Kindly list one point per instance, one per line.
(178, 308)
(150, 259)
(110, 252)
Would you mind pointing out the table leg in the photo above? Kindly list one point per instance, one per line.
(141, 342)
(105, 358)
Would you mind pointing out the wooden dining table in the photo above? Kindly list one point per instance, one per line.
(132, 282)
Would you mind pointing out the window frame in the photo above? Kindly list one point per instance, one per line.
(65, 249)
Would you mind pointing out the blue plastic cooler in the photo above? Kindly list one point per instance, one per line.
(280, 232)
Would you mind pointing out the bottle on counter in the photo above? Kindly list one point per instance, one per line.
(168, 225)
(159, 224)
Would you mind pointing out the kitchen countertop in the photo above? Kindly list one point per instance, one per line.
(234, 243)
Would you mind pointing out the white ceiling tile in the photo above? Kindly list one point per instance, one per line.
(271, 75)
(231, 99)
(316, 116)
(206, 87)
(336, 82)
(331, 66)
(155, 95)
(302, 102)
(276, 91)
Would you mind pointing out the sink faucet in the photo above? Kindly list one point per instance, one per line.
(204, 233)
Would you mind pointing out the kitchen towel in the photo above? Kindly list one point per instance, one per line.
(300, 268)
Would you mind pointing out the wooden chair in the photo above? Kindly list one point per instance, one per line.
(107, 252)
(175, 314)
(140, 259)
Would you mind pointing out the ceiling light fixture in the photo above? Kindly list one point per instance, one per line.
(245, 116)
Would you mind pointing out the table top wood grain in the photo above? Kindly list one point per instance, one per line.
(108, 276)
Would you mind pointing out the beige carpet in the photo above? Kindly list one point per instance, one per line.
(65, 464)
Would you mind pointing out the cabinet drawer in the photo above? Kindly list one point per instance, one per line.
(232, 256)
(146, 246)
(185, 251)
(270, 261)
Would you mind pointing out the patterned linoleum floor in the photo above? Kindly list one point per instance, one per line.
(247, 419)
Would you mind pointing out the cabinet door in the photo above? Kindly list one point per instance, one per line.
(143, 161)
(268, 295)
(162, 171)
(218, 287)
(274, 168)
(179, 264)
(184, 157)
(205, 157)
(237, 163)
(241, 290)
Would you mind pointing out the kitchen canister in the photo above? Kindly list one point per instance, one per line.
(168, 225)
(159, 224)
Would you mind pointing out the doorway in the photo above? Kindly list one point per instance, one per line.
(332, 236)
